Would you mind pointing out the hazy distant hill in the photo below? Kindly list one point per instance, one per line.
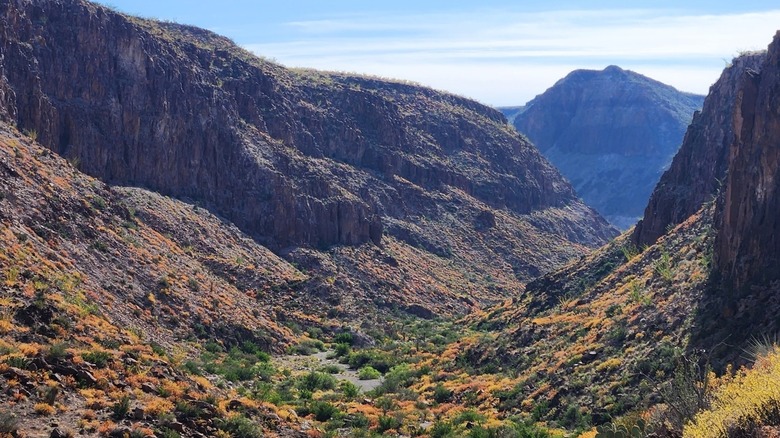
(511, 112)
(612, 133)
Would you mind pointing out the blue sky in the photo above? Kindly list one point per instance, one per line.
(498, 52)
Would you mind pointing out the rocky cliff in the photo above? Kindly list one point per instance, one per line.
(699, 167)
(296, 159)
(748, 245)
(611, 133)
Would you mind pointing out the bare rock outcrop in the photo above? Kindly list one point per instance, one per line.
(698, 169)
(747, 249)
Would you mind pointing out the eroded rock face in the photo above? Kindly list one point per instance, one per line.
(698, 169)
(611, 133)
(747, 248)
(293, 158)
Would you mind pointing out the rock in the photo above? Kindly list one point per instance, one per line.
(176, 426)
(22, 376)
(419, 311)
(120, 432)
(148, 388)
(234, 405)
(86, 377)
(57, 433)
(486, 219)
(138, 413)
(698, 168)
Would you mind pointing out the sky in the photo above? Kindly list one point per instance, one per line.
(499, 52)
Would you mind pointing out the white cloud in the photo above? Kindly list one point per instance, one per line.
(504, 58)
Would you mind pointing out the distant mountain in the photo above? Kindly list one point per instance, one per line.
(612, 133)
(511, 112)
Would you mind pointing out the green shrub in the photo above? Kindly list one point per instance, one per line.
(250, 347)
(368, 373)
(323, 411)
(469, 416)
(264, 371)
(187, 410)
(380, 361)
(344, 338)
(441, 429)
(167, 433)
(350, 389)
(121, 407)
(213, 347)
(387, 422)
(97, 357)
(306, 347)
(17, 361)
(9, 424)
(331, 369)
(441, 394)
(235, 371)
(240, 427)
(400, 376)
(357, 421)
(57, 351)
(314, 381)
(663, 266)
(342, 350)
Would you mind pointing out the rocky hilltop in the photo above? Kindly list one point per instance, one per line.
(612, 133)
(299, 160)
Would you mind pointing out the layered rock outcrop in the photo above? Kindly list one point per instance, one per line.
(747, 248)
(697, 171)
(300, 160)
(611, 133)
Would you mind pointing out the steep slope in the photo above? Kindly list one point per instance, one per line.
(301, 161)
(611, 133)
(98, 302)
(604, 333)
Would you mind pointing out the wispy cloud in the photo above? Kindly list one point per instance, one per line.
(505, 57)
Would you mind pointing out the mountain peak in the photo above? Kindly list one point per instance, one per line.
(614, 69)
(611, 132)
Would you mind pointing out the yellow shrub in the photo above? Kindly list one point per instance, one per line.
(5, 325)
(609, 364)
(43, 409)
(158, 406)
(741, 403)
(174, 389)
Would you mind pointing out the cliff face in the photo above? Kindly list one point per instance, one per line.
(294, 158)
(612, 133)
(748, 245)
(698, 169)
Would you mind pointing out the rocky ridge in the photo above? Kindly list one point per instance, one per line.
(333, 172)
